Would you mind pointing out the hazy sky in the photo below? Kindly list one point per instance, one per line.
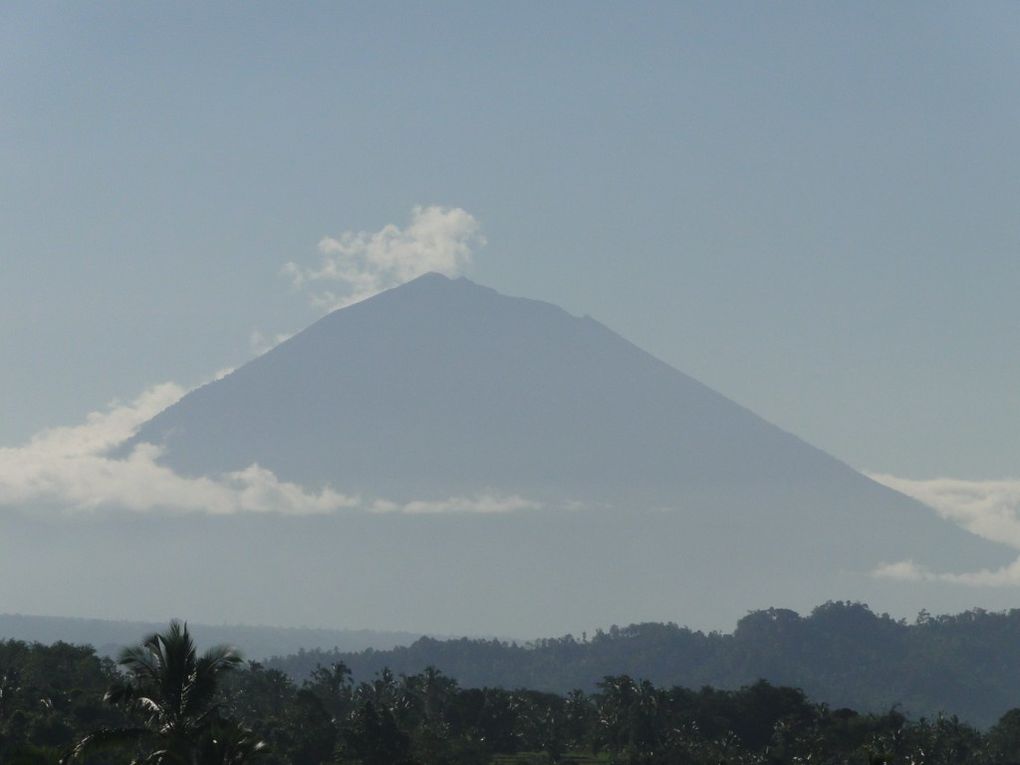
(811, 207)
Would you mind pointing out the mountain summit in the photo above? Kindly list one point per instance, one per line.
(442, 388)
(650, 496)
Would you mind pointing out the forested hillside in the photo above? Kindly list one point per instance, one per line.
(842, 654)
(167, 703)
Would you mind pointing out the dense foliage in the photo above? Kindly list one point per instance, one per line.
(50, 697)
(169, 704)
(842, 654)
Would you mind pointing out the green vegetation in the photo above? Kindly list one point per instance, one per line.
(170, 693)
(842, 654)
(167, 704)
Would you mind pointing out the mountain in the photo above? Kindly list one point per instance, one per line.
(643, 494)
(443, 388)
(257, 643)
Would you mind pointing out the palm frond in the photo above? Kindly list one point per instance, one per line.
(149, 705)
(202, 685)
(106, 738)
(139, 660)
(222, 656)
(120, 693)
(160, 757)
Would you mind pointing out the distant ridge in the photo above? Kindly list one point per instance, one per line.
(842, 654)
(256, 642)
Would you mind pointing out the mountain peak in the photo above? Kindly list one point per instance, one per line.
(430, 277)
(435, 279)
(432, 283)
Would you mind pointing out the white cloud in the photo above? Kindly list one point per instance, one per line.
(72, 468)
(101, 431)
(989, 509)
(904, 571)
(483, 503)
(986, 508)
(908, 571)
(360, 263)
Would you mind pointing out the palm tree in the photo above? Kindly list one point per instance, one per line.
(171, 690)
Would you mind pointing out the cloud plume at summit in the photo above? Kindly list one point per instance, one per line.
(359, 264)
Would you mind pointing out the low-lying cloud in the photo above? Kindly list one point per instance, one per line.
(73, 468)
(485, 504)
(358, 264)
(986, 508)
(909, 571)
(989, 509)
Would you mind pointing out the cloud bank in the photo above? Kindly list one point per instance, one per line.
(71, 468)
(989, 509)
(358, 264)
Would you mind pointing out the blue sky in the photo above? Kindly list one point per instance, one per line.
(810, 207)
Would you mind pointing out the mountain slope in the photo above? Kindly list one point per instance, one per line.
(444, 387)
(658, 498)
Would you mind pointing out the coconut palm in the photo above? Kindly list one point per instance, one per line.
(171, 690)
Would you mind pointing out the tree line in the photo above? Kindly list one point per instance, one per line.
(166, 703)
(841, 653)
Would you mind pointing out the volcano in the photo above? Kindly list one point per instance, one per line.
(616, 487)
